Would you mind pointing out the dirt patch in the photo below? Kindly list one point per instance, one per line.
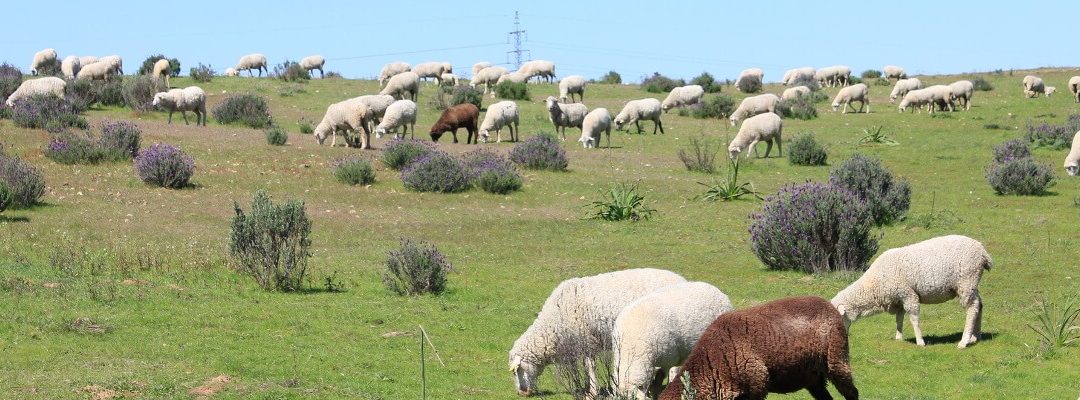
(212, 386)
(88, 326)
(394, 334)
(135, 282)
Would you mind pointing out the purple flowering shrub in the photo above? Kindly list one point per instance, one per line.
(814, 227)
(1057, 137)
(1020, 176)
(888, 198)
(399, 153)
(1011, 150)
(45, 111)
(437, 172)
(492, 172)
(10, 79)
(164, 165)
(119, 141)
(353, 170)
(25, 181)
(541, 151)
(121, 137)
(416, 268)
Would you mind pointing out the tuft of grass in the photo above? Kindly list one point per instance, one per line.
(700, 155)
(874, 135)
(620, 202)
(276, 135)
(1055, 327)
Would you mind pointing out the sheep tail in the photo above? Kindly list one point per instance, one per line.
(987, 262)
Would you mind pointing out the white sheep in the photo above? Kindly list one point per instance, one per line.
(448, 79)
(795, 92)
(96, 71)
(191, 98)
(391, 69)
(635, 111)
(30, 87)
(837, 75)
(433, 70)
(595, 123)
(116, 62)
(344, 116)
(1072, 161)
(310, 63)
(87, 60)
(580, 312)
(1074, 87)
(476, 68)
(796, 75)
(962, 90)
(903, 86)
(538, 68)
(70, 67)
(488, 77)
(766, 127)
(1049, 90)
(161, 68)
(893, 72)
(754, 105)
(683, 96)
(41, 58)
(405, 85)
(654, 335)
(401, 113)
(252, 61)
(447, 67)
(231, 72)
(573, 84)
(514, 77)
(929, 272)
(1033, 86)
(376, 107)
(565, 115)
(748, 75)
(503, 113)
(941, 96)
(916, 99)
(858, 92)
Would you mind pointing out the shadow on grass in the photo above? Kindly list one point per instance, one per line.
(952, 339)
(5, 218)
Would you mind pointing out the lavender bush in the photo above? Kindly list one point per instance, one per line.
(814, 227)
(540, 151)
(492, 172)
(201, 73)
(416, 268)
(138, 92)
(1020, 176)
(271, 242)
(437, 172)
(887, 198)
(246, 109)
(119, 141)
(1057, 137)
(399, 153)
(164, 165)
(45, 111)
(10, 79)
(121, 137)
(353, 170)
(26, 182)
(1011, 150)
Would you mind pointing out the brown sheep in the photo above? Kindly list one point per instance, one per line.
(463, 115)
(779, 347)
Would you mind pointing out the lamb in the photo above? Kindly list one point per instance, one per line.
(432, 70)
(191, 98)
(96, 71)
(766, 127)
(796, 75)
(463, 115)
(116, 62)
(580, 312)
(503, 113)
(70, 67)
(310, 63)
(391, 69)
(405, 85)
(30, 87)
(565, 115)
(858, 92)
(40, 59)
(488, 77)
(573, 84)
(161, 68)
(476, 68)
(401, 113)
(1049, 90)
(344, 116)
(448, 79)
(929, 272)
(778, 347)
(538, 68)
(252, 61)
(87, 60)
(1033, 86)
(1074, 87)
(655, 334)
(1072, 161)
(596, 122)
(683, 96)
(962, 90)
(231, 72)
(639, 110)
(903, 86)
(754, 105)
(795, 92)
(916, 99)
(893, 72)
(748, 75)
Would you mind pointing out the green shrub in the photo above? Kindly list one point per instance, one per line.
(982, 85)
(805, 150)
(45, 111)
(707, 82)
(10, 79)
(620, 202)
(26, 182)
(512, 91)
(541, 152)
(801, 107)
(612, 78)
(1020, 176)
(399, 153)
(870, 74)
(50, 68)
(866, 177)
(138, 92)
(202, 73)
(247, 109)
(660, 84)
(749, 85)
(462, 94)
(271, 242)
(353, 170)
(7, 198)
(436, 172)
(492, 172)
(305, 126)
(147, 66)
(276, 135)
(416, 268)
(718, 106)
(290, 71)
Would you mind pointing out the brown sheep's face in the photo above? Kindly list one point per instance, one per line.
(435, 136)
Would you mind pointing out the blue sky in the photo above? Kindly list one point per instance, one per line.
(676, 38)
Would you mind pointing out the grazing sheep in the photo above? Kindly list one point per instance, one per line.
(41, 58)
(465, 115)
(161, 68)
(310, 63)
(795, 92)
(116, 62)
(448, 79)
(1033, 86)
(476, 68)
(30, 87)
(766, 127)
(748, 75)
(893, 72)
(683, 96)
(635, 111)
(778, 347)
(96, 71)
(941, 96)
(376, 107)
(580, 312)
(538, 68)
(858, 92)
(1074, 87)
(654, 335)
(1049, 90)
(433, 70)
(929, 272)
(344, 116)
(565, 115)
(1072, 161)
(231, 72)
(488, 77)
(573, 84)
(596, 122)
(391, 69)
(191, 98)
(87, 60)
(796, 75)
(754, 105)
(962, 90)
(447, 67)
(838, 75)
(515, 77)
(252, 61)
(916, 99)
(70, 67)
(903, 86)
(503, 113)
(401, 113)
(405, 85)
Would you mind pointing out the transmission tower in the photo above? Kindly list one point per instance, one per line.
(517, 36)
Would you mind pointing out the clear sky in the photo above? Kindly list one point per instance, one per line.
(677, 38)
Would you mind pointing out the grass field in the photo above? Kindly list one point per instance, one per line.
(112, 286)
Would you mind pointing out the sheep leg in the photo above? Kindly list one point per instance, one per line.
(658, 125)
(593, 389)
(974, 314)
(839, 368)
(170, 116)
(818, 391)
(637, 123)
(184, 113)
(608, 142)
(900, 325)
(911, 305)
(753, 145)
(768, 147)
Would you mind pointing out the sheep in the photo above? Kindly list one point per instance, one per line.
(903, 86)
(1049, 90)
(405, 85)
(639, 110)
(749, 74)
(962, 90)
(580, 312)
(191, 98)
(941, 95)
(838, 75)
(344, 116)
(41, 58)
(432, 70)
(96, 71)
(1074, 87)
(31, 87)
(376, 107)
(391, 69)
(596, 122)
(538, 68)
(448, 79)
(87, 60)
(488, 77)
(767, 127)
(565, 115)
(804, 74)
(683, 96)
(514, 77)
(161, 68)
(795, 92)
(476, 68)
(310, 63)
(654, 334)
(401, 113)
(858, 92)
(916, 99)
(503, 113)
(1072, 161)
(781, 346)
(570, 85)
(754, 105)
(116, 62)
(463, 115)
(893, 72)
(929, 272)
(252, 61)
(70, 67)
(447, 67)
(231, 72)
(1033, 86)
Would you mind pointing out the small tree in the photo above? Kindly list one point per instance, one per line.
(271, 242)
(147, 66)
(612, 78)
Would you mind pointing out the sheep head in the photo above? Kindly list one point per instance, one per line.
(587, 142)
(1072, 169)
(525, 375)
(483, 135)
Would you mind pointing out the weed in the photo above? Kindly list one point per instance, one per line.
(138, 92)
(707, 82)
(26, 182)
(271, 242)
(729, 189)
(436, 172)
(660, 84)
(512, 90)
(981, 85)
(290, 71)
(874, 135)
(202, 73)
(611, 78)
(246, 109)
(620, 202)
(305, 126)
(45, 111)
(1021, 177)
(276, 135)
(888, 199)
(718, 106)
(1055, 327)
(399, 153)
(700, 155)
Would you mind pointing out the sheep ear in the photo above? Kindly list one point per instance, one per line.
(842, 310)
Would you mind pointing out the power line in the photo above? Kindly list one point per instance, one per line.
(473, 46)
